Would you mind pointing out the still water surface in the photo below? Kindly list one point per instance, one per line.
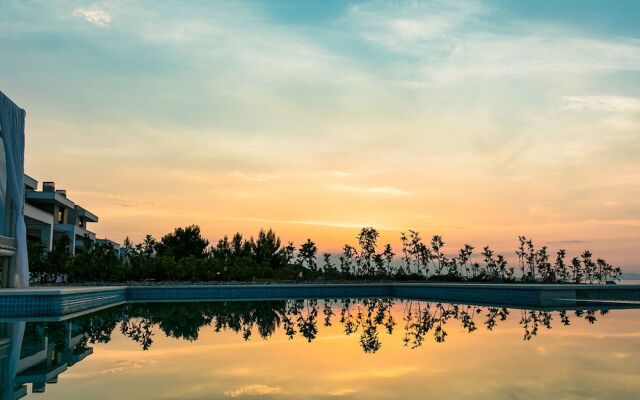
(351, 349)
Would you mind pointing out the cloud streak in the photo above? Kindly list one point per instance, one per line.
(380, 190)
(606, 103)
(95, 16)
(253, 390)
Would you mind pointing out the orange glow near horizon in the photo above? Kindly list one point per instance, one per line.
(420, 115)
(298, 210)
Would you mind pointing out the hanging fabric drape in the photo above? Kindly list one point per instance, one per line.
(15, 332)
(12, 120)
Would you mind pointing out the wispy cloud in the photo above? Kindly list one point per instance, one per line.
(342, 392)
(124, 201)
(382, 190)
(330, 224)
(253, 177)
(389, 372)
(94, 16)
(124, 365)
(559, 242)
(239, 371)
(409, 27)
(602, 103)
(339, 174)
(253, 390)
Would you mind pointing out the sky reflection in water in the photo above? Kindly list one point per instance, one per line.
(359, 349)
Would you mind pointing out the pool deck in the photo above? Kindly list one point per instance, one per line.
(47, 302)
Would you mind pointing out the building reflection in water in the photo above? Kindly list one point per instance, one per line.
(37, 353)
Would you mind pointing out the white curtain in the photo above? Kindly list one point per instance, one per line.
(3, 177)
(12, 120)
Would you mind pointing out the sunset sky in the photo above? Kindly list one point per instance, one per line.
(480, 121)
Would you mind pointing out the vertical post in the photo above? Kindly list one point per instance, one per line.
(11, 231)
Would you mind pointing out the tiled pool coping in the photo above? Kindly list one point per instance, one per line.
(47, 302)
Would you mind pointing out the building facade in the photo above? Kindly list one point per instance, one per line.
(50, 215)
(35, 357)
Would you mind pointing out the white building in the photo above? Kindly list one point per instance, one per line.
(44, 215)
(50, 215)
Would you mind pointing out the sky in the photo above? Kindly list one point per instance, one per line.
(479, 121)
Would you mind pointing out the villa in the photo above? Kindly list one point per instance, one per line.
(26, 213)
(50, 215)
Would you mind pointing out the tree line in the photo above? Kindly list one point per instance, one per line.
(185, 255)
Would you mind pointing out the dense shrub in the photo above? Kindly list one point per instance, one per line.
(182, 243)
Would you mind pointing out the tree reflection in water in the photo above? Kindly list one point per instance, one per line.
(367, 318)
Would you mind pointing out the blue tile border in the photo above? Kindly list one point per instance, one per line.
(61, 301)
(34, 303)
(258, 292)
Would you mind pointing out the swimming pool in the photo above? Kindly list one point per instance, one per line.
(364, 348)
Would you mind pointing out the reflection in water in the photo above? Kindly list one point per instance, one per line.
(46, 349)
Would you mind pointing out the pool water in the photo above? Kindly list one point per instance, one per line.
(321, 349)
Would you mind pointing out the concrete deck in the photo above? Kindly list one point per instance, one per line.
(55, 302)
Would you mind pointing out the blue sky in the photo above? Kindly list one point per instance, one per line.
(474, 119)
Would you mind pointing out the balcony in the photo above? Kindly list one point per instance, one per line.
(37, 214)
(89, 216)
(76, 230)
(49, 198)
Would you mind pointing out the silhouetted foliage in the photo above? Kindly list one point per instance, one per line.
(307, 255)
(182, 243)
(370, 319)
(184, 255)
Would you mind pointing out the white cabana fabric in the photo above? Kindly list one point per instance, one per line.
(12, 120)
(15, 331)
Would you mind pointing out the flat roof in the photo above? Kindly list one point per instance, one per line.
(83, 212)
(49, 197)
